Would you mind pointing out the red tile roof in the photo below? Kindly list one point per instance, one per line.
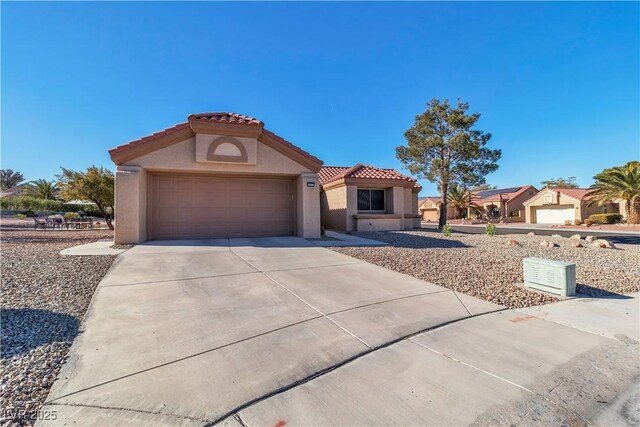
(575, 193)
(333, 173)
(225, 117)
(148, 138)
(506, 196)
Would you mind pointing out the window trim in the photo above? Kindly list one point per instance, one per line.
(384, 200)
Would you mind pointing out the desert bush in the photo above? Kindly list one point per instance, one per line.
(71, 215)
(27, 203)
(21, 216)
(605, 218)
(578, 221)
(446, 230)
(490, 229)
(588, 222)
(568, 222)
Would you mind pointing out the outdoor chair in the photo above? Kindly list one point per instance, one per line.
(39, 223)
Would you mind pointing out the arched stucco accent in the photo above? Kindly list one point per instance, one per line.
(220, 150)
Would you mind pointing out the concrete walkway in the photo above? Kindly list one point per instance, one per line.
(101, 247)
(280, 331)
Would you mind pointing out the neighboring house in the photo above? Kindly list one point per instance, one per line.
(215, 175)
(14, 191)
(559, 205)
(366, 198)
(429, 209)
(504, 203)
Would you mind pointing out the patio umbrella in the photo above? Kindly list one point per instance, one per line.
(79, 202)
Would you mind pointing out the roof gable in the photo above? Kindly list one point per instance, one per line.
(222, 123)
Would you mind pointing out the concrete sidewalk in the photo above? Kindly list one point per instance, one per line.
(188, 332)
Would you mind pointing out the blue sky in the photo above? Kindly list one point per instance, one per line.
(558, 84)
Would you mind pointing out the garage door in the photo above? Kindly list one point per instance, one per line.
(197, 206)
(430, 215)
(555, 215)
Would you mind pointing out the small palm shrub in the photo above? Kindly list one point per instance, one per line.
(447, 230)
(490, 229)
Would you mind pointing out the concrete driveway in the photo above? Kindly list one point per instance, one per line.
(279, 331)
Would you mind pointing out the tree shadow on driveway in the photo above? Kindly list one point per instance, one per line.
(24, 329)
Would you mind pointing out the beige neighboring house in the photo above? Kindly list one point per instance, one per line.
(215, 175)
(366, 198)
(504, 203)
(14, 191)
(558, 205)
(429, 209)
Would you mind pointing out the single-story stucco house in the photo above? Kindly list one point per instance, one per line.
(215, 175)
(367, 198)
(429, 209)
(558, 205)
(504, 203)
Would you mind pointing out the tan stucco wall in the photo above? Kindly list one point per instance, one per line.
(130, 205)
(308, 205)
(334, 208)
(131, 182)
(340, 204)
(517, 203)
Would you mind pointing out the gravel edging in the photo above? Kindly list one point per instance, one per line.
(487, 268)
(44, 298)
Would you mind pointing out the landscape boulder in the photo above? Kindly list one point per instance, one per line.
(576, 237)
(548, 244)
(577, 244)
(512, 242)
(589, 239)
(531, 233)
(602, 243)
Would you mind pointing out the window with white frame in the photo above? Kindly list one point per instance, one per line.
(371, 200)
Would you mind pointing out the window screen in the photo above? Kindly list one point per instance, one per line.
(370, 200)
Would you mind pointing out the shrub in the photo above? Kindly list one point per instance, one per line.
(588, 222)
(568, 222)
(29, 213)
(577, 221)
(21, 216)
(70, 215)
(446, 230)
(490, 229)
(27, 203)
(605, 218)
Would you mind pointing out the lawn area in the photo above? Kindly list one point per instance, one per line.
(487, 268)
(44, 298)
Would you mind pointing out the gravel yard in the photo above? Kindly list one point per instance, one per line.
(487, 268)
(44, 297)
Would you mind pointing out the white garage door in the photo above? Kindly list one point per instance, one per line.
(195, 206)
(555, 215)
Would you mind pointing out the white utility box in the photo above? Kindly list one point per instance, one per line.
(556, 277)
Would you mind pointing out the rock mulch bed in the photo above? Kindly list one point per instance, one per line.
(44, 297)
(489, 268)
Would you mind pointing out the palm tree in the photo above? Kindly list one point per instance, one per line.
(620, 182)
(42, 189)
(460, 199)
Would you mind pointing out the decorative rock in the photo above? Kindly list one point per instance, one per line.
(576, 237)
(512, 242)
(589, 239)
(577, 244)
(548, 244)
(531, 233)
(602, 243)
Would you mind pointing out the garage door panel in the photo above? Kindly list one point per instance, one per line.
(216, 206)
(555, 214)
